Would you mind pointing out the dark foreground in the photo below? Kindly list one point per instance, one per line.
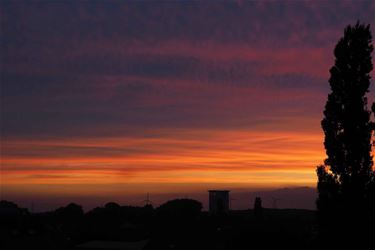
(181, 227)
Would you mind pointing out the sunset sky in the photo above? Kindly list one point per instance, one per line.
(115, 99)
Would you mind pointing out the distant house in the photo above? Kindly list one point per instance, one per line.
(218, 201)
(112, 245)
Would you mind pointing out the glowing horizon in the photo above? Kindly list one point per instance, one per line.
(205, 158)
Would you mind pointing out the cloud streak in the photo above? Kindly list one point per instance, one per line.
(183, 156)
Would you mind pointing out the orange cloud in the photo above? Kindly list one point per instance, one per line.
(181, 156)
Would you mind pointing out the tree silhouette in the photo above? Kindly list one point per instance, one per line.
(345, 181)
(181, 208)
(71, 212)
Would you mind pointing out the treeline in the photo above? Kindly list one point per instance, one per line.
(67, 226)
(176, 224)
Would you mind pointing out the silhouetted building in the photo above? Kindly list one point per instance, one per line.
(218, 201)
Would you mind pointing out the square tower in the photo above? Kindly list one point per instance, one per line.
(218, 201)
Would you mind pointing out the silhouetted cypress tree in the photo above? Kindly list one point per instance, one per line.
(346, 179)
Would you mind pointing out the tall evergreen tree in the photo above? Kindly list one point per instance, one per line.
(346, 179)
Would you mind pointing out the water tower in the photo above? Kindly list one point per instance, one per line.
(218, 201)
